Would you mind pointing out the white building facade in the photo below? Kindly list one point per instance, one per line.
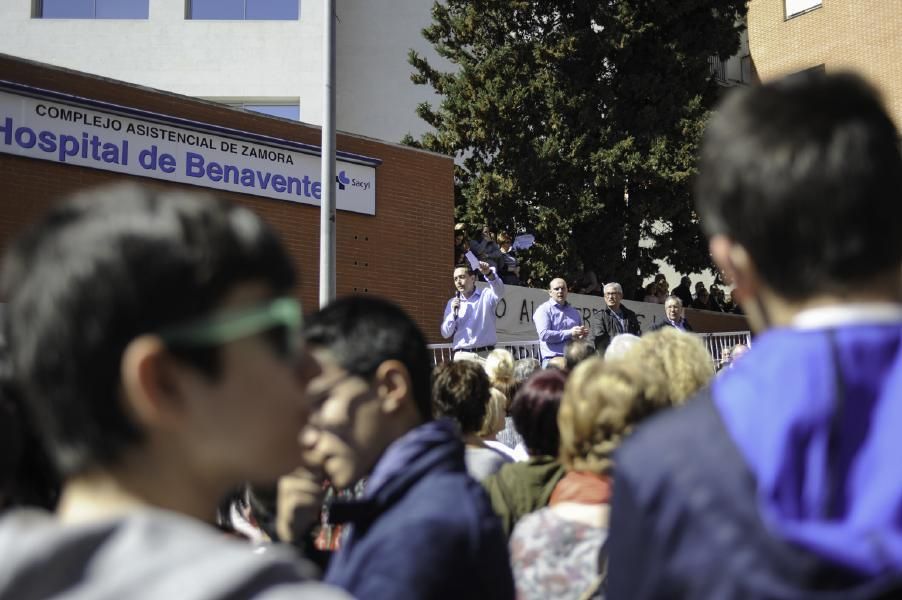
(223, 50)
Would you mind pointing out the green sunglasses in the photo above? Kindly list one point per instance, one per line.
(282, 313)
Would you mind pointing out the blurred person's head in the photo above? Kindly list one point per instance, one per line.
(495, 411)
(725, 356)
(534, 411)
(620, 345)
(372, 384)
(613, 295)
(459, 233)
(461, 390)
(737, 351)
(147, 323)
(577, 351)
(679, 357)
(602, 402)
(524, 368)
(812, 161)
(504, 240)
(557, 362)
(499, 365)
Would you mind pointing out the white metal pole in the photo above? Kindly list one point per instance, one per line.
(327, 161)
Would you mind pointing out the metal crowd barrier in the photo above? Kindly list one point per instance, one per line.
(523, 349)
(716, 343)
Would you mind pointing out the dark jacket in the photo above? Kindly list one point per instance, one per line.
(604, 327)
(425, 529)
(690, 490)
(522, 487)
(666, 323)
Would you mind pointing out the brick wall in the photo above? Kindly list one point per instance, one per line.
(864, 35)
(402, 252)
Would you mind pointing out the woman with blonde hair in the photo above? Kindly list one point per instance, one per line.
(555, 550)
(680, 357)
(493, 423)
(499, 366)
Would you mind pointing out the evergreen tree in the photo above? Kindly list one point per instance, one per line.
(579, 121)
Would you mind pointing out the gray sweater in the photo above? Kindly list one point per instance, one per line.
(151, 554)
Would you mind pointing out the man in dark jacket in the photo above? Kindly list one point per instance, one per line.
(615, 319)
(783, 480)
(674, 317)
(424, 528)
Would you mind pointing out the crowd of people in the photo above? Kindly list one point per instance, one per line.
(174, 428)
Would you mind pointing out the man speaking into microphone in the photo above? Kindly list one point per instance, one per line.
(470, 314)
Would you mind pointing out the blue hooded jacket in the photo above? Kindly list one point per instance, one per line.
(424, 529)
(783, 480)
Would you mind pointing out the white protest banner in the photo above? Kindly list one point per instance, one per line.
(514, 311)
(55, 127)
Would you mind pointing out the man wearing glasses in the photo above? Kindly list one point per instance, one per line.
(153, 340)
(613, 320)
(673, 311)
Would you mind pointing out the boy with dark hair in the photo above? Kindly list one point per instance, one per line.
(424, 528)
(153, 341)
(783, 479)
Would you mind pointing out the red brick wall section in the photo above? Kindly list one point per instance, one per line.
(864, 35)
(402, 252)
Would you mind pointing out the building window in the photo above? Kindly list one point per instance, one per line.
(244, 10)
(285, 110)
(797, 7)
(91, 9)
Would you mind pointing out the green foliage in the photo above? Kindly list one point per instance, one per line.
(578, 121)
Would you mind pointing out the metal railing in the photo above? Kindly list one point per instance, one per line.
(519, 349)
(716, 343)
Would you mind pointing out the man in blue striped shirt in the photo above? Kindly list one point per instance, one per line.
(557, 322)
(470, 314)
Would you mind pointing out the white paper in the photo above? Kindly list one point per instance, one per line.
(471, 258)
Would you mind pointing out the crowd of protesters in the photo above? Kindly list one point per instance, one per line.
(173, 428)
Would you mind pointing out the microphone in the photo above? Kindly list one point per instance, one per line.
(457, 308)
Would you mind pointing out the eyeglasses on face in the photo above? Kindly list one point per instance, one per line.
(282, 316)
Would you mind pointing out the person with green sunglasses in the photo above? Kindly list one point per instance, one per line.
(153, 340)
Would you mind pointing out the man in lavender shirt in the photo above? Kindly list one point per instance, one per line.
(557, 322)
(470, 314)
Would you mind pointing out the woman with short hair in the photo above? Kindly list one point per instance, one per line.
(555, 550)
